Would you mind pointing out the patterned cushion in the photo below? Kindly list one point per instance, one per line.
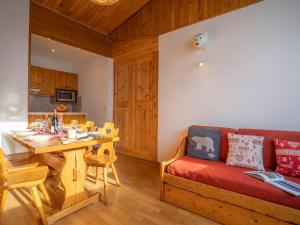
(204, 143)
(288, 157)
(245, 151)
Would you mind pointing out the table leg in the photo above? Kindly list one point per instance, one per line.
(73, 177)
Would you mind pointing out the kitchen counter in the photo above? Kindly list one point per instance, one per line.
(60, 113)
(67, 117)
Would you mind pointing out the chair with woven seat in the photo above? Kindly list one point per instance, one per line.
(105, 156)
(31, 177)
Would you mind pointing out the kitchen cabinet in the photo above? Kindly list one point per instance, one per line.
(48, 80)
(66, 81)
(42, 79)
(72, 81)
(47, 85)
(34, 78)
(66, 117)
(61, 80)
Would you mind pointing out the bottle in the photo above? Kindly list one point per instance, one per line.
(46, 124)
(60, 126)
(54, 123)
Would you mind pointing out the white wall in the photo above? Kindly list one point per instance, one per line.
(54, 64)
(14, 27)
(96, 88)
(251, 77)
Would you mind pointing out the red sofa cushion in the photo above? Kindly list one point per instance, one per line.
(223, 141)
(288, 157)
(231, 178)
(269, 145)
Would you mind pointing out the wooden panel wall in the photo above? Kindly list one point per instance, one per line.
(49, 24)
(135, 97)
(123, 49)
(100, 17)
(160, 16)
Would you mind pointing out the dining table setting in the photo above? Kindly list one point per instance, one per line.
(64, 153)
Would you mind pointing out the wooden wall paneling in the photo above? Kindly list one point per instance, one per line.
(161, 16)
(133, 47)
(102, 18)
(49, 24)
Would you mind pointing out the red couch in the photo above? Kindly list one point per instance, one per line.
(231, 182)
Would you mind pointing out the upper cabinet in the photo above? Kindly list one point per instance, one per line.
(72, 81)
(47, 80)
(66, 81)
(61, 80)
(34, 77)
(47, 84)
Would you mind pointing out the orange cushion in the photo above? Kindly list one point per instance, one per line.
(231, 178)
(269, 146)
(223, 139)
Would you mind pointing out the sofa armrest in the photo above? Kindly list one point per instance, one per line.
(180, 152)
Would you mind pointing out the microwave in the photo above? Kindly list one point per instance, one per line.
(66, 96)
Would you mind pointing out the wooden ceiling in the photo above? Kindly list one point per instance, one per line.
(104, 19)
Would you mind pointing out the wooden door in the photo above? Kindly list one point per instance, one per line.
(72, 81)
(123, 114)
(136, 105)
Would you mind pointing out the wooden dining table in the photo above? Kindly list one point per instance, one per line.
(68, 162)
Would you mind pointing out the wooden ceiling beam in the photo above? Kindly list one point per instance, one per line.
(50, 24)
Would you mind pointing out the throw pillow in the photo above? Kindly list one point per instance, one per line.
(204, 143)
(288, 157)
(245, 151)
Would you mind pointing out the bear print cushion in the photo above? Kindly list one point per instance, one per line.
(204, 143)
(288, 157)
(245, 151)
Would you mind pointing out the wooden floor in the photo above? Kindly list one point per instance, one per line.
(135, 202)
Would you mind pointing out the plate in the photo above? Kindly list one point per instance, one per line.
(94, 133)
(21, 130)
(26, 133)
(39, 138)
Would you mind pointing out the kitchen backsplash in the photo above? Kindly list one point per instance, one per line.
(43, 104)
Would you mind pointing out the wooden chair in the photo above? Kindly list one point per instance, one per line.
(90, 126)
(105, 156)
(109, 130)
(31, 177)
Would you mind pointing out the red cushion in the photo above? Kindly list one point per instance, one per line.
(288, 157)
(223, 141)
(231, 178)
(269, 146)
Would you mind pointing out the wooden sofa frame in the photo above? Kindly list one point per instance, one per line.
(220, 205)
